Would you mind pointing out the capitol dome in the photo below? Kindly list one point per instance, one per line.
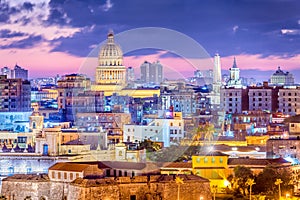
(111, 53)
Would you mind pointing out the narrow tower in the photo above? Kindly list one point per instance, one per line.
(217, 69)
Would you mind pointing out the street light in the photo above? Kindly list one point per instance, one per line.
(278, 182)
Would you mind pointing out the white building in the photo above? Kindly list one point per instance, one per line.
(163, 130)
(217, 82)
(234, 80)
(289, 100)
(282, 78)
(151, 72)
(232, 99)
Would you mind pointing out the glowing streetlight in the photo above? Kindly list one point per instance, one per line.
(278, 182)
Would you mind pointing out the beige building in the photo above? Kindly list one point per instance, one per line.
(68, 172)
(234, 100)
(289, 100)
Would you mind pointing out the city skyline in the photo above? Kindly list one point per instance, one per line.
(54, 37)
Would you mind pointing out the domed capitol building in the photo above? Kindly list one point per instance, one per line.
(111, 73)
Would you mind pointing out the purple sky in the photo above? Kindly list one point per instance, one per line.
(54, 37)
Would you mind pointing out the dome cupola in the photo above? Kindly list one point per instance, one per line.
(111, 53)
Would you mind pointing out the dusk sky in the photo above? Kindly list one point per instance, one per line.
(51, 37)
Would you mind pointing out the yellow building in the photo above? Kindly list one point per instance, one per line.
(212, 166)
(111, 73)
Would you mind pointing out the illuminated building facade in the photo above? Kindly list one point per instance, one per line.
(151, 72)
(289, 101)
(282, 78)
(14, 95)
(111, 73)
(19, 72)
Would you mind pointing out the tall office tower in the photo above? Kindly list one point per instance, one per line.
(151, 72)
(5, 71)
(234, 80)
(130, 75)
(14, 95)
(19, 72)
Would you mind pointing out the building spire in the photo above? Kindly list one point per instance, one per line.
(234, 63)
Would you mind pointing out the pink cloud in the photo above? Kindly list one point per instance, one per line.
(256, 62)
(41, 62)
(186, 67)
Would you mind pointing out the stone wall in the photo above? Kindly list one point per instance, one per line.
(20, 186)
(158, 187)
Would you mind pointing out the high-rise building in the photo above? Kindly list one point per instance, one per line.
(69, 86)
(289, 100)
(234, 100)
(151, 72)
(282, 78)
(130, 75)
(234, 80)
(19, 72)
(217, 70)
(263, 98)
(217, 82)
(6, 71)
(14, 95)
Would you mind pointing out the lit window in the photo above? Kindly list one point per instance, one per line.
(205, 160)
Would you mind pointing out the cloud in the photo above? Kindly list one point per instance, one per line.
(290, 31)
(107, 6)
(31, 20)
(41, 62)
(235, 28)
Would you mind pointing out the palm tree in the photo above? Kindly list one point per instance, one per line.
(250, 182)
(278, 182)
(209, 132)
(179, 181)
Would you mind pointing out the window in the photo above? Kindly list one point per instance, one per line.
(71, 176)
(205, 160)
(221, 160)
(65, 175)
(53, 174)
(213, 160)
(198, 160)
(59, 175)
(132, 197)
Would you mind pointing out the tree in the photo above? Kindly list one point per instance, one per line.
(250, 182)
(278, 182)
(239, 179)
(204, 131)
(265, 181)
